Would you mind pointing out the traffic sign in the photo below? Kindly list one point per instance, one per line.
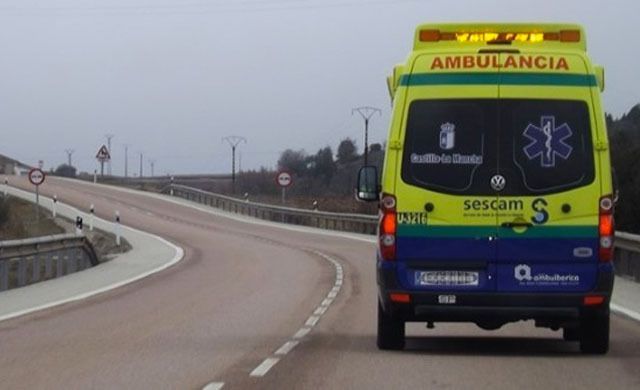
(284, 179)
(103, 154)
(36, 176)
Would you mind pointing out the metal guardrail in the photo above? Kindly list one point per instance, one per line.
(358, 223)
(627, 254)
(33, 260)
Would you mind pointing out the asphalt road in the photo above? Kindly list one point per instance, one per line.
(244, 291)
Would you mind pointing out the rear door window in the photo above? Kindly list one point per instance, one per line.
(545, 145)
(450, 145)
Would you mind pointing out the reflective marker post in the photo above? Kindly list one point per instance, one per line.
(54, 209)
(92, 213)
(6, 186)
(78, 225)
(117, 228)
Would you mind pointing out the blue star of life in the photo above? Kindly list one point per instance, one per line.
(547, 141)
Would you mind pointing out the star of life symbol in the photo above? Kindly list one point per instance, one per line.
(522, 272)
(547, 141)
(447, 136)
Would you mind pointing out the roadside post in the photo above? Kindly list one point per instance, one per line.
(36, 177)
(284, 180)
(54, 209)
(117, 228)
(6, 186)
(78, 225)
(171, 187)
(95, 176)
(92, 213)
(102, 156)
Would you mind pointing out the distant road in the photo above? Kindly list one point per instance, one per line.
(247, 290)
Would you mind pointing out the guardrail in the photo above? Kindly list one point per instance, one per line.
(33, 260)
(627, 254)
(358, 223)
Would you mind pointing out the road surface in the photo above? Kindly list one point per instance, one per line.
(245, 291)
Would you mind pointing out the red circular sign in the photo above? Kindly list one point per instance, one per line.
(284, 179)
(36, 176)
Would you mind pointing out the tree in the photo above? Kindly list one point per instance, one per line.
(65, 170)
(323, 165)
(347, 151)
(293, 161)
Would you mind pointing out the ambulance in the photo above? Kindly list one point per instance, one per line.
(496, 198)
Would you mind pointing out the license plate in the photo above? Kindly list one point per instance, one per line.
(446, 278)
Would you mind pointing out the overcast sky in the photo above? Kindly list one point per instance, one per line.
(170, 78)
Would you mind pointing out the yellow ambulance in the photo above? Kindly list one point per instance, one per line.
(496, 200)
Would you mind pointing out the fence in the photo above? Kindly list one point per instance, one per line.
(358, 223)
(627, 255)
(32, 260)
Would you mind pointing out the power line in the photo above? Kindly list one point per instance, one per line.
(233, 141)
(366, 112)
(69, 154)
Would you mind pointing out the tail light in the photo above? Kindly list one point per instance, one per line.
(388, 227)
(606, 229)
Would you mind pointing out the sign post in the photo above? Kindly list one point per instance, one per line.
(284, 180)
(103, 156)
(36, 177)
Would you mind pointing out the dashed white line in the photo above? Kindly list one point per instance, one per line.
(286, 347)
(264, 367)
(320, 311)
(213, 386)
(312, 321)
(301, 333)
(326, 302)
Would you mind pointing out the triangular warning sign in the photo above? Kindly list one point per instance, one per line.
(103, 154)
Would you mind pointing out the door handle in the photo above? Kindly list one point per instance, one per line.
(517, 224)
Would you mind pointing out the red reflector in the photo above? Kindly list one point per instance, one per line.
(400, 298)
(592, 300)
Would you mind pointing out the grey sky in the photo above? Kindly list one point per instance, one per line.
(171, 78)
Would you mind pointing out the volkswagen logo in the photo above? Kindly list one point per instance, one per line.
(498, 182)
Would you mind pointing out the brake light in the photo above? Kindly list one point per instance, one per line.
(593, 300)
(388, 227)
(606, 229)
(400, 297)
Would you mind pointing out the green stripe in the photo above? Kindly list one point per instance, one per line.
(486, 231)
(567, 80)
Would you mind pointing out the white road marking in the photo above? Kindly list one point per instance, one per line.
(332, 294)
(320, 311)
(301, 333)
(264, 367)
(214, 386)
(326, 302)
(624, 311)
(286, 347)
(312, 321)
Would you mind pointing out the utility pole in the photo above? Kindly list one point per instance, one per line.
(141, 165)
(126, 160)
(69, 154)
(109, 137)
(152, 163)
(366, 112)
(233, 141)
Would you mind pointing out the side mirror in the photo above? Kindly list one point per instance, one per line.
(368, 189)
(599, 71)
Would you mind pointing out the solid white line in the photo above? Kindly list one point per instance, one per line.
(264, 367)
(301, 333)
(178, 256)
(624, 311)
(214, 386)
(332, 294)
(312, 321)
(286, 347)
